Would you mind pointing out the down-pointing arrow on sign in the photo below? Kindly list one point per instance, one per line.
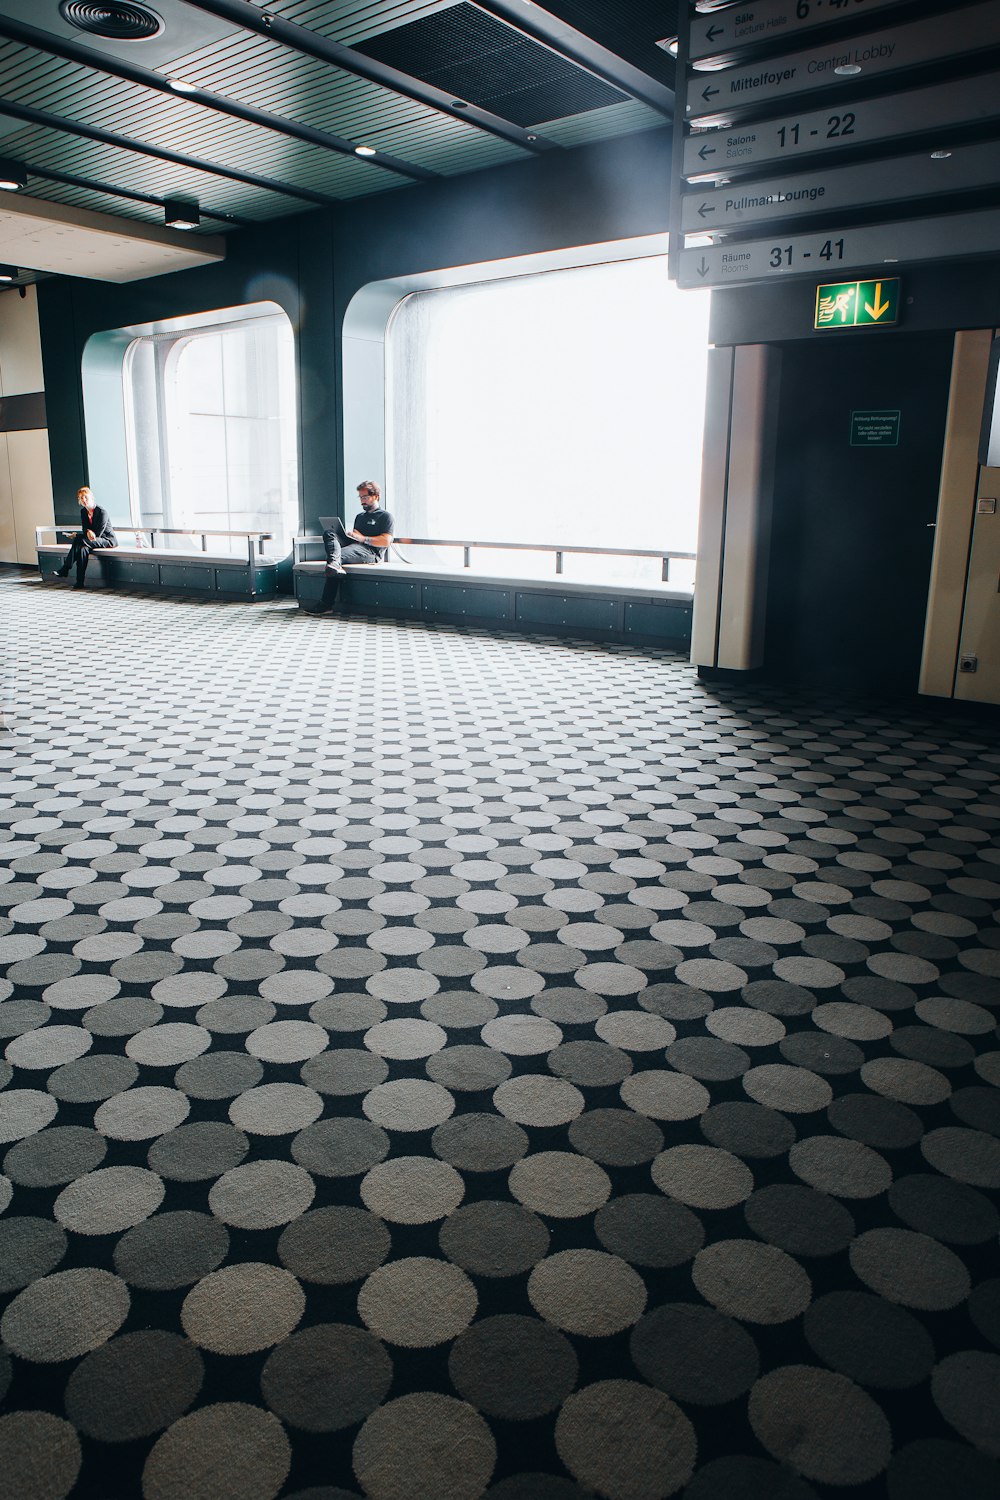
(880, 307)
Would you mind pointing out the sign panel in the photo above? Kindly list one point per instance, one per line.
(866, 122)
(875, 429)
(772, 21)
(858, 304)
(929, 41)
(736, 262)
(795, 194)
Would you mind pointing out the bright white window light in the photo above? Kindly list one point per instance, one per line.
(553, 407)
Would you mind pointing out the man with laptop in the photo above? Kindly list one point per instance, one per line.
(368, 542)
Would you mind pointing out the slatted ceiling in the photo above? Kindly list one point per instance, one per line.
(122, 208)
(602, 125)
(329, 99)
(158, 119)
(159, 179)
(318, 170)
(516, 78)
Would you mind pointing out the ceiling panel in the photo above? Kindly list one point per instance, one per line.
(631, 28)
(453, 44)
(480, 59)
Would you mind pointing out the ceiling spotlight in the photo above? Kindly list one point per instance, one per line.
(847, 70)
(669, 44)
(8, 273)
(181, 213)
(181, 86)
(365, 151)
(13, 175)
(940, 155)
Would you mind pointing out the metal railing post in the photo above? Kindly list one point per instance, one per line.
(559, 562)
(468, 557)
(665, 575)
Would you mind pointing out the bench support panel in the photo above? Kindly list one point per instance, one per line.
(596, 612)
(175, 574)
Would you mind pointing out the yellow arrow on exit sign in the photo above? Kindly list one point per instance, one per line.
(858, 304)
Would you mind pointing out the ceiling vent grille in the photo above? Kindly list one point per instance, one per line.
(480, 60)
(117, 22)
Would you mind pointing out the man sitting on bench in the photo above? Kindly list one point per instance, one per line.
(367, 543)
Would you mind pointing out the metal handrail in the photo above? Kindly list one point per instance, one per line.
(260, 537)
(666, 555)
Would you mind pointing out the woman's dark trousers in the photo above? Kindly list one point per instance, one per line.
(79, 553)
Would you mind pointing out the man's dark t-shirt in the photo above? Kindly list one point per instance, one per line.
(373, 523)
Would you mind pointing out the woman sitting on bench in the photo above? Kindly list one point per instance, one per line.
(95, 532)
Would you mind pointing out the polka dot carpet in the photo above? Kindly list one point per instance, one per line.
(440, 1067)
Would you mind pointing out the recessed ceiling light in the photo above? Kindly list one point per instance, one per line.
(940, 155)
(181, 213)
(181, 86)
(13, 175)
(669, 44)
(364, 151)
(8, 273)
(847, 70)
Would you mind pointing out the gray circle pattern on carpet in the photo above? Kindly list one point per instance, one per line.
(525, 1050)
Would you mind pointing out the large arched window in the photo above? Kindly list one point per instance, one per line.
(565, 408)
(210, 425)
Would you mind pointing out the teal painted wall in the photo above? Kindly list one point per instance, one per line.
(313, 264)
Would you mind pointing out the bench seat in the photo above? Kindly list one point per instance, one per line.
(647, 611)
(170, 570)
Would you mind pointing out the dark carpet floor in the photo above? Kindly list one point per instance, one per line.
(439, 1066)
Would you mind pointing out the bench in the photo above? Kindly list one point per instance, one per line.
(170, 569)
(651, 612)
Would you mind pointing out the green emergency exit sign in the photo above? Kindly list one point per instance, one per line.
(858, 304)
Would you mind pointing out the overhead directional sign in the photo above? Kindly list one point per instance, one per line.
(962, 31)
(772, 21)
(858, 304)
(799, 192)
(734, 263)
(864, 123)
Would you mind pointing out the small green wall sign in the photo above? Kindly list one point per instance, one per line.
(875, 429)
(858, 304)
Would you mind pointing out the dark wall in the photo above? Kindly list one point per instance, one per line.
(852, 532)
(288, 263)
(313, 264)
(963, 294)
